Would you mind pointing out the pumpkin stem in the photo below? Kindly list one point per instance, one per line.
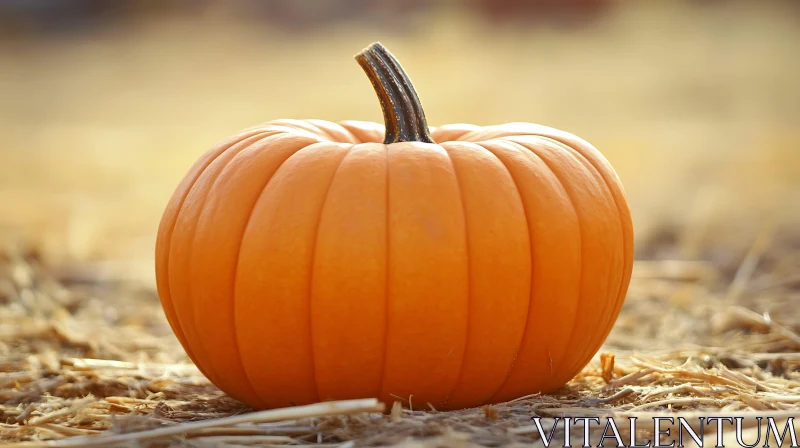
(402, 111)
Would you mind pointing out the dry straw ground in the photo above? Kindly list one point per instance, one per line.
(696, 106)
(91, 362)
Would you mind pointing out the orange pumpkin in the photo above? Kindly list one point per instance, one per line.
(304, 261)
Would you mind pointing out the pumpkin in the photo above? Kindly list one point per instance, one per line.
(304, 261)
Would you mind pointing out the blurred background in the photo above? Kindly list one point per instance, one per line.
(104, 105)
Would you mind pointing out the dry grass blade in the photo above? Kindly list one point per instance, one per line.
(101, 364)
(72, 408)
(689, 401)
(185, 429)
(736, 316)
(750, 261)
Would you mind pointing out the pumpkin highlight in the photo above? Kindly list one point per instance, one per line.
(304, 261)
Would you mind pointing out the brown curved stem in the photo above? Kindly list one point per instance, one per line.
(402, 111)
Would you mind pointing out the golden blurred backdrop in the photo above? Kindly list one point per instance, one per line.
(104, 105)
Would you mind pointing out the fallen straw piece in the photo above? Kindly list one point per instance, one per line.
(98, 364)
(314, 410)
(73, 407)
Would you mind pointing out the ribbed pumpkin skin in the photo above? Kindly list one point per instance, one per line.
(304, 261)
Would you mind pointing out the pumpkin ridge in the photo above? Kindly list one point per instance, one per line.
(570, 194)
(580, 298)
(292, 125)
(621, 287)
(245, 143)
(322, 131)
(328, 127)
(238, 259)
(528, 323)
(273, 137)
(381, 392)
(530, 292)
(427, 281)
(311, 274)
(467, 135)
(481, 377)
(470, 289)
(362, 134)
(609, 176)
(609, 317)
(458, 138)
(452, 132)
(627, 250)
(163, 244)
(615, 186)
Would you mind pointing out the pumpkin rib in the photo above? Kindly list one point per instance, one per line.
(311, 272)
(470, 289)
(352, 234)
(281, 126)
(217, 242)
(164, 234)
(610, 178)
(452, 132)
(299, 125)
(597, 160)
(165, 258)
(388, 315)
(163, 241)
(609, 312)
(188, 318)
(530, 294)
(581, 296)
(580, 278)
(427, 276)
(257, 318)
(608, 308)
(606, 172)
(336, 132)
(595, 157)
(570, 370)
(235, 274)
(364, 131)
(321, 131)
(618, 194)
(555, 364)
(477, 256)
